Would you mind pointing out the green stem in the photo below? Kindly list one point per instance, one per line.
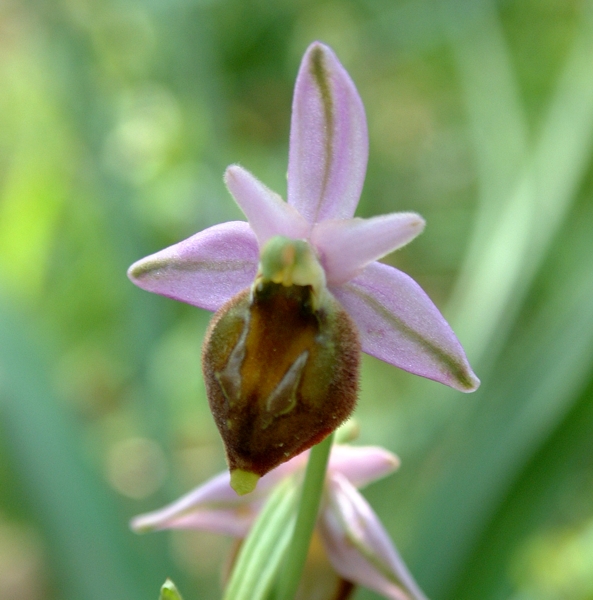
(306, 518)
(254, 567)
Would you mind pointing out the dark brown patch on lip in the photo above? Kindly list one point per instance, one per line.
(280, 376)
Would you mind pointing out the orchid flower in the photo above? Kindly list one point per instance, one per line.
(298, 290)
(396, 320)
(355, 542)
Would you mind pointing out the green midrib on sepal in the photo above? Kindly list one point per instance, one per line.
(320, 75)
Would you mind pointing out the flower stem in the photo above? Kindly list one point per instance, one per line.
(306, 518)
(263, 549)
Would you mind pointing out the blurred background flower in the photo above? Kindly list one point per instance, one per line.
(117, 120)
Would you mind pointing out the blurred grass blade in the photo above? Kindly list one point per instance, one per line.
(87, 538)
(535, 384)
(537, 378)
(539, 504)
(494, 110)
(504, 260)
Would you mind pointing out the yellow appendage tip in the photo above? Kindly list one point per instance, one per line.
(243, 482)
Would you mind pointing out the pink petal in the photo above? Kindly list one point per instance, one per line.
(328, 139)
(358, 546)
(215, 506)
(399, 324)
(225, 522)
(204, 270)
(362, 464)
(265, 210)
(347, 246)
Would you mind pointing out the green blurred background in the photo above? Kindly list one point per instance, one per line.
(117, 120)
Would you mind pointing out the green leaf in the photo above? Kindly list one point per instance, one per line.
(91, 548)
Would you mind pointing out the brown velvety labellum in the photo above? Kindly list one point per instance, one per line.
(280, 376)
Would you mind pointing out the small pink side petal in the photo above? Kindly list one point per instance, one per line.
(328, 139)
(205, 270)
(265, 210)
(235, 523)
(362, 464)
(214, 498)
(215, 506)
(348, 524)
(346, 246)
(398, 323)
